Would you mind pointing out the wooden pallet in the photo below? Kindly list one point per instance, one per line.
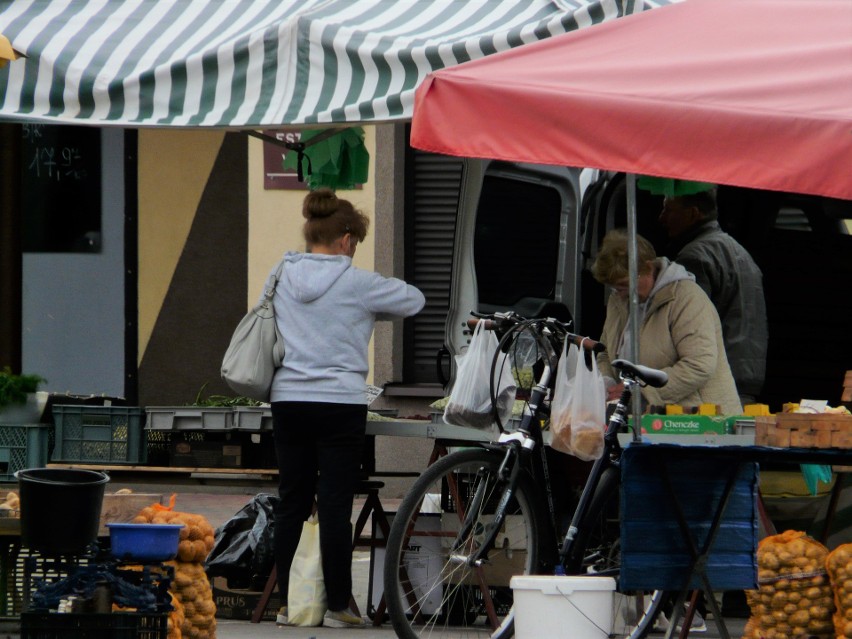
(802, 430)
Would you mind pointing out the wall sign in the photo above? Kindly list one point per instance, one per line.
(274, 175)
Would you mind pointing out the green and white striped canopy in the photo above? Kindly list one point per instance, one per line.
(256, 63)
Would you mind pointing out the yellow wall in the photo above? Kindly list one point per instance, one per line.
(275, 224)
(173, 171)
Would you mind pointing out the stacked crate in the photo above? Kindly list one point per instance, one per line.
(210, 436)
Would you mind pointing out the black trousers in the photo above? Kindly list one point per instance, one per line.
(319, 447)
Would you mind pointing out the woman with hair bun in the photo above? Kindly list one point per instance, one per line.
(326, 308)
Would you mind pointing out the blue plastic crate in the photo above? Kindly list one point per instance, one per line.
(99, 434)
(654, 552)
(22, 446)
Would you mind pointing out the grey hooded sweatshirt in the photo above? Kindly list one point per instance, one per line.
(326, 309)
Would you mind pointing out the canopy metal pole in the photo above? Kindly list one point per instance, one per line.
(633, 303)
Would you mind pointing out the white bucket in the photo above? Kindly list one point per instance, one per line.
(570, 607)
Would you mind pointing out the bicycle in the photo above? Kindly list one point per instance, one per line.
(496, 511)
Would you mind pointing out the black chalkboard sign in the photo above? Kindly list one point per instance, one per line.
(61, 188)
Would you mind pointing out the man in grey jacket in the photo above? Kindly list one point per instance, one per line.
(729, 276)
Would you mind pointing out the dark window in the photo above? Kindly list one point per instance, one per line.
(61, 188)
(516, 242)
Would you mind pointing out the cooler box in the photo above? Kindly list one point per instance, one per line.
(556, 606)
(654, 552)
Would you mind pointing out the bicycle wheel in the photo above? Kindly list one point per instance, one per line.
(428, 587)
(596, 550)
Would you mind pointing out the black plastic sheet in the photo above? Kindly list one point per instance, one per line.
(243, 549)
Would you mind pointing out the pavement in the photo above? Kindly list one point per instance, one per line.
(219, 505)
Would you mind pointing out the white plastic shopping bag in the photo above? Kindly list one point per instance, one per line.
(588, 410)
(470, 400)
(563, 393)
(306, 599)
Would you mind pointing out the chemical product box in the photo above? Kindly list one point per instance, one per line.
(236, 603)
(22, 446)
(687, 424)
(661, 480)
(99, 434)
(206, 454)
(116, 625)
(422, 561)
(563, 607)
(190, 418)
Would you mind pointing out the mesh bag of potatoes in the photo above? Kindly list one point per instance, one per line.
(839, 566)
(794, 597)
(190, 585)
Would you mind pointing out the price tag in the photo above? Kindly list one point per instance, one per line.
(372, 393)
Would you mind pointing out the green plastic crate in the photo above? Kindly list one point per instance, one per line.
(22, 446)
(99, 434)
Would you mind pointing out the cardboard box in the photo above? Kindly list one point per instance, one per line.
(687, 424)
(804, 430)
(233, 603)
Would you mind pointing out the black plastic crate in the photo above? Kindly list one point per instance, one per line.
(22, 570)
(465, 484)
(116, 625)
(160, 443)
(99, 434)
(23, 446)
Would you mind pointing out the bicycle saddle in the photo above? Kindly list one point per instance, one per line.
(646, 375)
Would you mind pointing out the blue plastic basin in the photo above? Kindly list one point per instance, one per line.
(144, 542)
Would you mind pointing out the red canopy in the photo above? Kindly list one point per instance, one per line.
(754, 93)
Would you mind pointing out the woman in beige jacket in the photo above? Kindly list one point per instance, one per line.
(679, 328)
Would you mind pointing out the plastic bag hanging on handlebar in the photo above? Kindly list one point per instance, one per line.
(469, 403)
(563, 392)
(588, 410)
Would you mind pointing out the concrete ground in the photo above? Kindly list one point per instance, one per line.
(220, 505)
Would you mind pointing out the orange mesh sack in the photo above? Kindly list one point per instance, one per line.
(190, 586)
(839, 566)
(794, 597)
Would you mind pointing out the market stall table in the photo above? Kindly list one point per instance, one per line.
(731, 463)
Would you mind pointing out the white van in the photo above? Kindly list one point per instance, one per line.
(526, 234)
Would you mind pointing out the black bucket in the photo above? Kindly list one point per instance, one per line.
(60, 509)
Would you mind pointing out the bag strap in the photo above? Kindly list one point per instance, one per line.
(272, 282)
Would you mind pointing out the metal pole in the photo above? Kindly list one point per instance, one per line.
(633, 303)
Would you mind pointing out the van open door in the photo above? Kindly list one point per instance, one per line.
(516, 245)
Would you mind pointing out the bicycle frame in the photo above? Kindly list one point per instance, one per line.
(610, 458)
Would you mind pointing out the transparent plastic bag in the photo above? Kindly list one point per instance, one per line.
(563, 392)
(588, 410)
(469, 403)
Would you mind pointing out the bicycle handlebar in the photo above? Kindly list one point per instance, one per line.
(503, 323)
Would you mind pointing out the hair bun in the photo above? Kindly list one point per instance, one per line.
(320, 203)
